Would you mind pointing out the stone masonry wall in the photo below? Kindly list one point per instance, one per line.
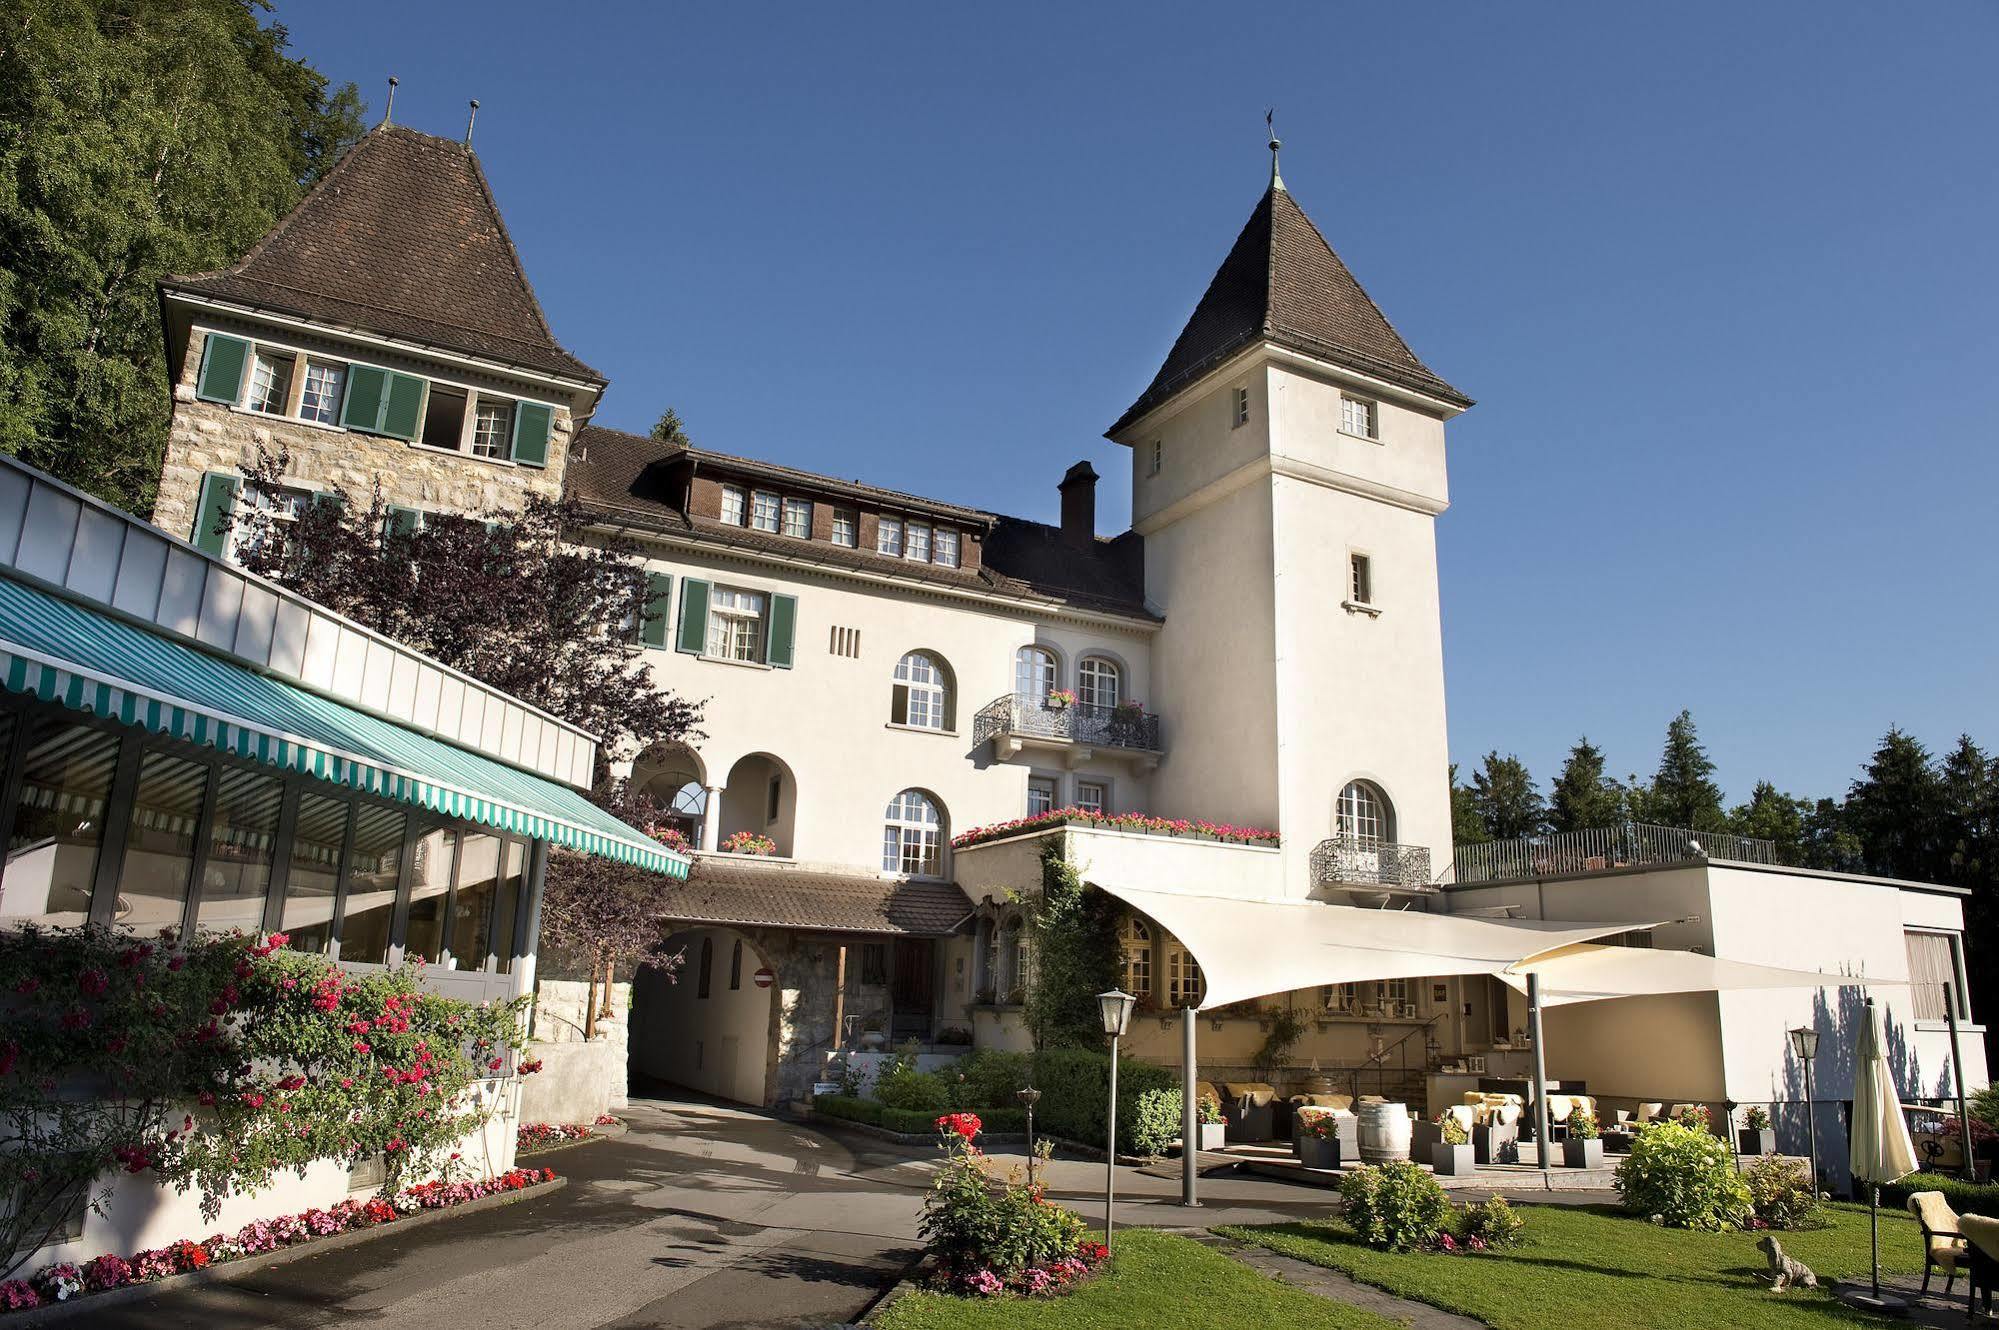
(558, 1019)
(209, 436)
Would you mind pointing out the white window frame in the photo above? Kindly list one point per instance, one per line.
(1158, 457)
(912, 835)
(1047, 787)
(944, 547)
(736, 624)
(1135, 944)
(493, 436)
(331, 389)
(1364, 813)
(846, 527)
(1360, 577)
(1368, 413)
(796, 518)
(1100, 802)
(916, 542)
(1045, 676)
(926, 691)
(735, 505)
(888, 537)
(1184, 980)
(295, 498)
(1239, 408)
(765, 511)
(1092, 672)
(263, 359)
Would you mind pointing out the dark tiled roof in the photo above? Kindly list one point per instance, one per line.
(745, 892)
(401, 238)
(620, 477)
(1283, 283)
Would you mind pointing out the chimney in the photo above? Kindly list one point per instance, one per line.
(1079, 505)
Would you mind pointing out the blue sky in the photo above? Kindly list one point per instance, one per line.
(1720, 275)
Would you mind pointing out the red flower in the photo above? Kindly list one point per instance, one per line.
(253, 1099)
(963, 1125)
(92, 983)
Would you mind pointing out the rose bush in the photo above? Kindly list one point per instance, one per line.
(990, 1234)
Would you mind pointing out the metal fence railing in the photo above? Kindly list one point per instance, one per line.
(1628, 844)
(1360, 861)
(1127, 726)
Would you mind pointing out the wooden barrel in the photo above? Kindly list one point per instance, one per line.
(1384, 1132)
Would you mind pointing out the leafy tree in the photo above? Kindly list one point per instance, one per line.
(668, 429)
(1829, 842)
(1683, 792)
(1896, 809)
(1583, 797)
(506, 600)
(1504, 795)
(1467, 824)
(138, 138)
(1775, 816)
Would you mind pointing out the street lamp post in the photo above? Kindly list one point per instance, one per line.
(1805, 1043)
(1115, 1008)
(1029, 1097)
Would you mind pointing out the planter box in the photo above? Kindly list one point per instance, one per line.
(1756, 1142)
(1318, 1152)
(1423, 1134)
(1494, 1144)
(1452, 1161)
(1213, 1135)
(1579, 1153)
(1618, 1142)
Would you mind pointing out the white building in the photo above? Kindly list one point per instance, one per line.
(883, 671)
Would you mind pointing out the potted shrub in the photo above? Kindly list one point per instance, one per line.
(1212, 1130)
(1452, 1155)
(1584, 1146)
(751, 843)
(1059, 699)
(1318, 1142)
(1757, 1136)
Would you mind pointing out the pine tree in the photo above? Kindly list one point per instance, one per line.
(1467, 825)
(1583, 797)
(1829, 842)
(1505, 798)
(1774, 816)
(1896, 810)
(670, 429)
(1970, 799)
(1683, 792)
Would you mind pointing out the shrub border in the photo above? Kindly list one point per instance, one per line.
(833, 1121)
(224, 1271)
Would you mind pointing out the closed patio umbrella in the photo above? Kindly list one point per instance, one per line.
(1882, 1150)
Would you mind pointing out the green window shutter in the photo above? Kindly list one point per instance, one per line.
(222, 362)
(659, 608)
(367, 388)
(532, 423)
(693, 637)
(404, 408)
(329, 499)
(783, 621)
(898, 705)
(217, 496)
(402, 521)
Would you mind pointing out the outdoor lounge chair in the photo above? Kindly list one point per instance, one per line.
(1644, 1115)
(1248, 1109)
(1981, 1248)
(1943, 1241)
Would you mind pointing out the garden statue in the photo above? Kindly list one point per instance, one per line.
(1785, 1270)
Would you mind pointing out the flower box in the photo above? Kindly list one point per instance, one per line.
(1213, 1135)
(1582, 1152)
(1452, 1161)
(1762, 1142)
(1318, 1151)
(1492, 1143)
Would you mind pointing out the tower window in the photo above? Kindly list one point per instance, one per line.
(1361, 579)
(1158, 456)
(1241, 409)
(1358, 417)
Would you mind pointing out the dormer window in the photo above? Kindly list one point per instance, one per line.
(735, 505)
(798, 518)
(319, 399)
(1240, 409)
(493, 427)
(270, 383)
(944, 548)
(763, 510)
(888, 537)
(918, 546)
(1358, 417)
(846, 527)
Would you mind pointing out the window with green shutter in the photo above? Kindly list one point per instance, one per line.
(223, 359)
(693, 636)
(216, 497)
(533, 422)
(367, 391)
(402, 410)
(658, 610)
(402, 521)
(783, 625)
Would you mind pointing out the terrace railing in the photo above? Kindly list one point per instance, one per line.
(1359, 861)
(1027, 716)
(1628, 845)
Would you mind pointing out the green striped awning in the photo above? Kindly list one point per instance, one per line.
(63, 652)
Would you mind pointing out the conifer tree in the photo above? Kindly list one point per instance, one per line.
(1683, 792)
(1896, 810)
(1583, 797)
(1467, 824)
(1504, 796)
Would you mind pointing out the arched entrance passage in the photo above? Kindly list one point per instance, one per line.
(707, 1025)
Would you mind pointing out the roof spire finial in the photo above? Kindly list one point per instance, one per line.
(389, 111)
(1270, 123)
(468, 122)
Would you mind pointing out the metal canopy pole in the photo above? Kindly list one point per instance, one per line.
(1541, 1143)
(1110, 1152)
(1957, 1070)
(1190, 1126)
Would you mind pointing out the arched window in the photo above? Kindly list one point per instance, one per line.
(736, 967)
(1136, 941)
(686, 802)
(1034, 672)
(1013, 961)
(922, 693)
(1364, 815)
(985, 986)
(707, 967)
(910, 838)
(1099, 682)
(1184, 985)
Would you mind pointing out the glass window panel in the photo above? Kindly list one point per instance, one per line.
(472, 907)
(373, 868)
(513, 883)
(315, 871)
(888, 537)
(798, 518)
(319, 400)
(733, 502)
(159, 843)
(763, 510)
(242, 842)
(52, 851)
(946, 550)
(1040, 795)
(270, 383)
(430, 884)
(1097, 683)
(493, 428)
(846, 527)
(918, 546)
(1033, 672)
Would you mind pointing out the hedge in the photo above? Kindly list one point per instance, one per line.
(1075, 1086)
(1978, 1198)
(911, 1122)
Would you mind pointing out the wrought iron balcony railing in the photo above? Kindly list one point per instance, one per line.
(1630, 844)
(1023, 716)
(1360, 861)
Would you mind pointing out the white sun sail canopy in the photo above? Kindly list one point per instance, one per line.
(1253, 948)
(1589, 973)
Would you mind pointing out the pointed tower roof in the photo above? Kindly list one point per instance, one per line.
(1283, 283)
(401, 238)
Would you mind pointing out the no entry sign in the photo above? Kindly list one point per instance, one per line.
(765, 977)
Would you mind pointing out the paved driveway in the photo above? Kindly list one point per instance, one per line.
(699, 1216)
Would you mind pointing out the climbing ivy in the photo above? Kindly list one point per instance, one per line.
(1075, 949)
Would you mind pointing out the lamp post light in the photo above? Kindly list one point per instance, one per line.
(1115, 1008)
(1028, 1098)
(1805, 1043)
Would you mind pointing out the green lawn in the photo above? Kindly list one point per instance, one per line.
(1155, 1280)
(1595, 1269)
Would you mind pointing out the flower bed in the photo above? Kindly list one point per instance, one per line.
(1140, 822)
(751, 843)
(990, 1235)
(543, 1135)
(65, 1280)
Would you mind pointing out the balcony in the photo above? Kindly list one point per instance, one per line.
(1072, 734)
(1370, 867)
